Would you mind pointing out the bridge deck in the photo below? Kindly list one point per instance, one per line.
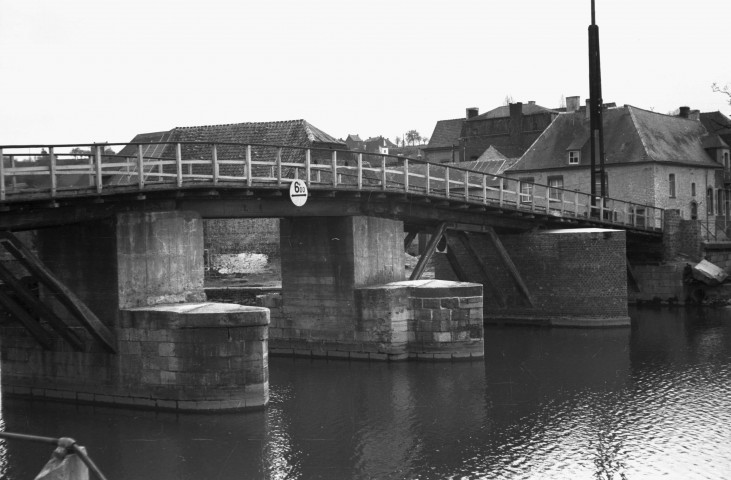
(41, 177)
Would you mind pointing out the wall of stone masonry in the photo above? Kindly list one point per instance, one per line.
(131, 260)
(224, 239)
(419, 319)
(173, 357)
(323, 260)
(575, 277)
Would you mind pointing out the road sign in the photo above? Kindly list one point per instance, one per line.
(298, 192)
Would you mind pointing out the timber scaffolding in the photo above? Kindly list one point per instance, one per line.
(46, 176)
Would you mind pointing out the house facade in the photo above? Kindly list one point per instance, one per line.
(510, 129)
(671, 162)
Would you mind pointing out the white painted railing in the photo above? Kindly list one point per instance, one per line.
(50, 171)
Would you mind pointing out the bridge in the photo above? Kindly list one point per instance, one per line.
(120, 246)
(36, 178)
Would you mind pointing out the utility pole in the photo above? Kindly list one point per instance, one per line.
(595, 113)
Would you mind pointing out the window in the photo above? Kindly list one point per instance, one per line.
(719, 203)
(726, 162)
(692, 189)
(574, 157)
(671, 185)
(554, 184)
(526, 190)
(709, 201)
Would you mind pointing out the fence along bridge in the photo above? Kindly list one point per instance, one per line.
(48, 184)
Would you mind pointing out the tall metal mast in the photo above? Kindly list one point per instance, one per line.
(595, 112)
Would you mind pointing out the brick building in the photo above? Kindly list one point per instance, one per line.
(653, 159)
(510, 129)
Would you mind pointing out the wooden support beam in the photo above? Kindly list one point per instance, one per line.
(456, 266)
(38, 308)
(457, 236)
(409, 239)
(632, 278)
(505, 257)
(431, 247)
(30, 323)
(81, 312)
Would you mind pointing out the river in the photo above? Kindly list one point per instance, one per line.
(649, 401)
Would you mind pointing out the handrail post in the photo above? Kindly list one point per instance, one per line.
(279, 167)
(90, 164)
(576, 203)
(2, 175)
(214, 161)
(13, 180)
(466, 185)
(502, 191)
(98, 165)
(360, 171)
(179, 164)
(248, 166)
(601, 209)
(308, 165)
(140, 168)
(428, 179)
(446, 182)
(334, 167)
(484, 189)
(52, 170)
(384, 179)
(406, 175)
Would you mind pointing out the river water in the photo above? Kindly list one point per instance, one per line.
(649, 401)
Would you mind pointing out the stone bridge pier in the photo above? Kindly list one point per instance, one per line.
(344, 295)
(570, 277)
(142, 276)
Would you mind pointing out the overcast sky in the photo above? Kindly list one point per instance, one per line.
(81, 71)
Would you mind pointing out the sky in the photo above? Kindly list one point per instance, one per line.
(84, 71)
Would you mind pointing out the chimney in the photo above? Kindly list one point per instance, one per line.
(516, 119)
(531, 102)
(588, 109)
(472, 112)
(684, 112)
(695, 115)
(572, 104)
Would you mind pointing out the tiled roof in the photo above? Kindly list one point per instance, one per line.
(504, 111)
(147, 150)
(292, 132)
(631, 135)
(446, 133)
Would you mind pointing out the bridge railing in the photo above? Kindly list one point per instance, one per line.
(56, 171)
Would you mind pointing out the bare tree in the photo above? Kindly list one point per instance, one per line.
(508, 99)
(725, 90)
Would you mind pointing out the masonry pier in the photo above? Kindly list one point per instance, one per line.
(553, 277)
(142, 275)
(344, 295)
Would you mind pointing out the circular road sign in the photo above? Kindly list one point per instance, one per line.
(298, 192)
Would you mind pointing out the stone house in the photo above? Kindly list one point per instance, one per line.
(380, 145)
(238, 246)
(510, 129)
(671, 162)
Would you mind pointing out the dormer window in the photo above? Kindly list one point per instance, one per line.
(574, 157)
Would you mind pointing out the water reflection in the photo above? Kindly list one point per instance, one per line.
(642, 402)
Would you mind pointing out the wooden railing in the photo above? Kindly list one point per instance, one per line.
(51, 171)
